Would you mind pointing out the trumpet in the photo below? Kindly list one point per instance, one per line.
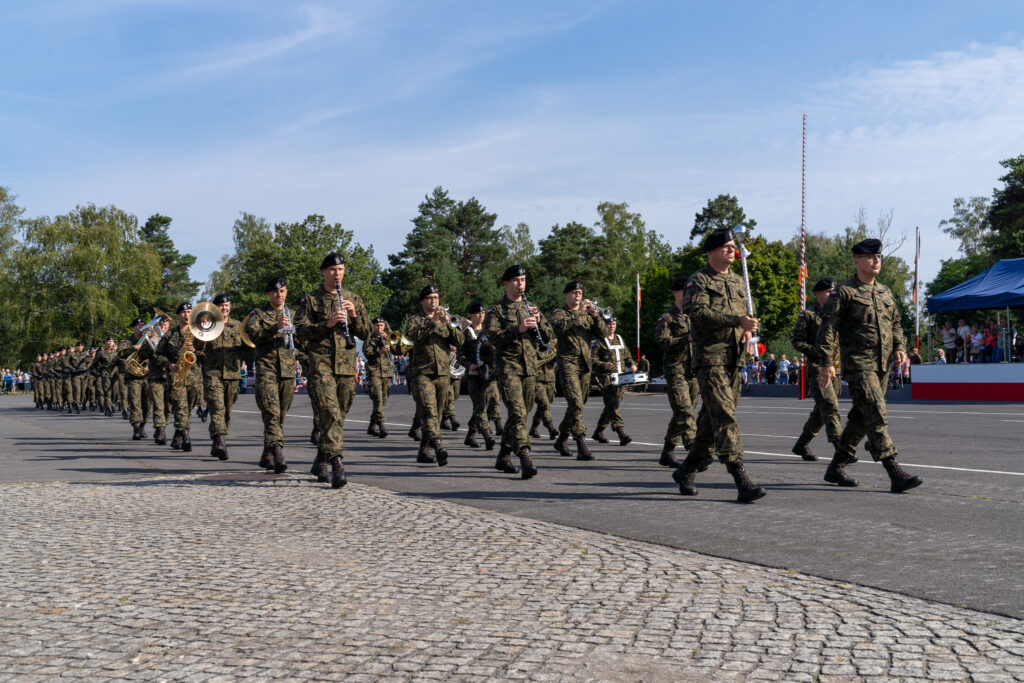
(605, 312)
(399, 341)
(288, 331)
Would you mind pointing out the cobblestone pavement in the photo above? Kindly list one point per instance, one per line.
(193, 578)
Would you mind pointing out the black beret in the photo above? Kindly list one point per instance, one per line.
(825, 284)
(868, 246)
(512, 272)
(611, 319)
(221, 299)
(427, 291)
(138, 321)
(379, 319)
(79, 343)
(332, 259)
(475, 307)
(679, 283)
(111, 339)
(718, 238)
(572, 286)
(275, 283)
(185, 306)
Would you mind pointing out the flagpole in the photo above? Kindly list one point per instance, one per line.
(803, 250)
(638, 316)
(917, 302)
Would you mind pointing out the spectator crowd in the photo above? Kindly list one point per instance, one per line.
(990, 342)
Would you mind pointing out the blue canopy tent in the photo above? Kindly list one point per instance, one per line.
(1001, 286)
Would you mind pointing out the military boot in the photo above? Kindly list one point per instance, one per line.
(71, 408)
(176, 440)
(900, 479)
(801, 449)
(186, 442)
(498, 429)
(599, 436)
(218, 448)
(414, 434)
(440, 453)
(319, 469)
(314, 436)
(423, 454)
(124, 413)
(684, 476)
(561, 447)
(836, 472)
(136, 433)
(142, 430)
(748, 493)
(78, 409)
(372, 430)
(470, 439)
(624, 438)
(582, 451)
(280, 466)
(203, 412)
(552, 432)
(504, 462)
(667, 458)
(382, 433)
(266, 458)
(443, 423)
(529, 471)
(338, 478)
(488, 439)
(159, 436)
(534, 434)
(453, 424)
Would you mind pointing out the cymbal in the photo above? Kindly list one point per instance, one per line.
(206, 321)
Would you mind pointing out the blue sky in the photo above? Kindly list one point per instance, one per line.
(199, 109)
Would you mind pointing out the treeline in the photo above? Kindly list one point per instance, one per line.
(86, 274)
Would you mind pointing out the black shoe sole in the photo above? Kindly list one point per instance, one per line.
(757, 494)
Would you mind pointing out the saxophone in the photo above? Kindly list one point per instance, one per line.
(186, 359)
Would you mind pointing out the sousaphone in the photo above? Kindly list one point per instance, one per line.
(206, 322)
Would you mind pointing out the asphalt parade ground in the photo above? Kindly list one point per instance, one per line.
(155, 562)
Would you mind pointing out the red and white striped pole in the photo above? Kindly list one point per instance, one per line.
(803, 249)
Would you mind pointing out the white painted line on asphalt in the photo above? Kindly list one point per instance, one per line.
(890, 408)
(1011, 420)
(908, 464)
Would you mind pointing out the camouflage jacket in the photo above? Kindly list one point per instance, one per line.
(104, 363)
(222, 357)
(273, 357)
(175, 340)
(157, 359)
(577, 331)
(672, 334)
(805, 338)
(865, 323)
(515, 354)
(467, 352)
(715, 301)
(78, 363)
(326, 345)
(612, 351)
(377, 363)
(431, 338)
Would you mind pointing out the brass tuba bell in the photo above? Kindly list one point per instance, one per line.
(206, 322)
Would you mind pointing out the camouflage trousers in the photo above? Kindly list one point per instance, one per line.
(334, 396)
(183, 400)
(867, 417)
(78, 388)
(825, 412)
(138, 401)
(454, 389)
(161, 400)
(610, 416)
(576, 386)
(682, 397)
(431, 395)
(544, 395)
(517, 393)
(274, 398)
(67, 390)
(221, 394)
(484, 395)
(717, 429)
(119, 390)
(379, 389)
(313, 403)
(89, 396)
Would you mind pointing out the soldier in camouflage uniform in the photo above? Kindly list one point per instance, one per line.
(157, 377)
(136, 388)
(431, 334)
(321, 322)
(222, 368)
(480, 387)
(715, 299)
(380, 370)
(672, 334)
(611, 355)
(545, 396)
(270, 329)
(826, 401)
(79, 361)
(34, 372)
(184, 397)
(454, 391)
(576, 325)
(103, 366)
(862, 319)
(516, 331)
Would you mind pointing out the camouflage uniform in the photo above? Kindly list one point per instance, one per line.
(576, 332)
(136, 388)
(482, 392)
(157, 381)
(222, 369)
(430, 363)
(826, 402)
(545, 396)
(379, 373)
(103, 366)
(454, 391)
(275, 372)
(617, 353)
(185, 397)
(78, 364)
(332, 366)
(67, 373)
(672, 334)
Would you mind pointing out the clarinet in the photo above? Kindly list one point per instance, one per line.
(542, 345)
(350, 343)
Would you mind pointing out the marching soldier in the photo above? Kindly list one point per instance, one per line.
(137, 388)
(672, 335)
(380, 370)
(516, 330)
(715, 300)
(545, 396)
(157, 377)
(103, 366)
(184, 397)
(222, 368)
(35, 371)
(826, 400)
(327, 325)
(270, 329)
(77, 365)
(454, 391)
(862, 313)
(577, 325)
(611, 355)
(67, 372)
(479, 380)
(431, 335)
